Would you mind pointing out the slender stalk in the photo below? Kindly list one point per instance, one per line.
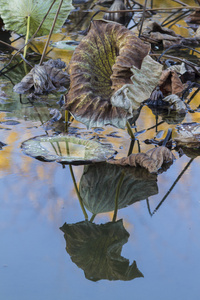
(78, 194)
(92, 218)
(132, 143)
(27, 35)
(129, 129)
(143, 17)
(148, 207)
(50, 33)
(117, 196)
(66, 120)
(173, 185)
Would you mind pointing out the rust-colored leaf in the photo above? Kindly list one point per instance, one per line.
(152, 160)
(100, 66)
(170, 83)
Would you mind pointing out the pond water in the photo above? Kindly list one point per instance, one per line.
(160, 232)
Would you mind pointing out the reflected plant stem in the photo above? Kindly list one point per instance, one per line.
(129, 130)
(148, 206)
(173, 185)
(117, 196)
(92, 218)
(132, 143)
(156, 123)
(27, 35)
(167, 138)
(78, 194)
(66, 120)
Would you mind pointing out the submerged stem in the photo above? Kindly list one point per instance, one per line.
(117, 196)
(78, 194)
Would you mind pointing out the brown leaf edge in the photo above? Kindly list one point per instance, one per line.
(153, 160)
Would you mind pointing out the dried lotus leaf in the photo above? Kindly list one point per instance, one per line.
(100, 66)
(44, 79)
(152, 160)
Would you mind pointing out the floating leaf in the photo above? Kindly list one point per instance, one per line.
(152, 160)
(15, 12)
(188, 134)
(66, 45)
(67, 149)
(44, 79)
(157, 33)
(98, 186)
(109, 57)
(175, 103)
(97, 250)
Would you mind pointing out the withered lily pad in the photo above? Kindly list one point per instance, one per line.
(67, 149)
(96, 249)
(44, 79)
(176, 104)
(159, 34)
(153, 160)
(98, 186)
(108, 60)
(188, 134)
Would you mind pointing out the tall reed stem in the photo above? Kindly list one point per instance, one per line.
(27, 35)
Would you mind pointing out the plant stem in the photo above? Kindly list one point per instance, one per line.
(173, 185)
(66, 120)
(50, 33)
(129, 129)
(27, 35)
(117, 196)
(78, 194)
(92, 218)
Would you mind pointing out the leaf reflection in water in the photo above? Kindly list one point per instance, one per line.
(98, 186)
(97, 250)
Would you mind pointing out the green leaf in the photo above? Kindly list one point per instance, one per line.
(97, 250)
(15, 12)
(67, 149)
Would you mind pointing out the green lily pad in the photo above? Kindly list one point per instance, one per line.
(15, 12)
(98, 186)
(97, 250)
(67, 149)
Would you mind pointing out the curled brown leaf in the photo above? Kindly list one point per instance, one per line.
(152, 160)
(100, 66)
(44, 79)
